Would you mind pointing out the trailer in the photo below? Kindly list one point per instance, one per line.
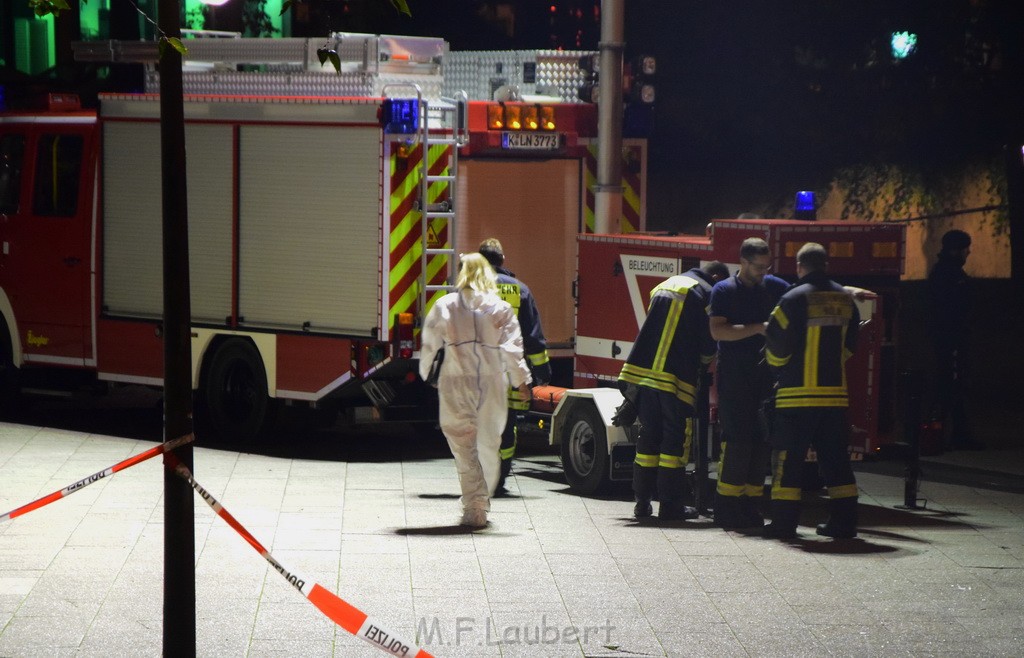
(616, 275)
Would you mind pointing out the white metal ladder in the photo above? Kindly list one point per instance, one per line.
(449, 121)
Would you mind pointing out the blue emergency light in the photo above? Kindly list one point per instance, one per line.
(805, 207)
(401, 116)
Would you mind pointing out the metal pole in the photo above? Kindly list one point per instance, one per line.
(179, 631)
(912, 383)
(608, 189)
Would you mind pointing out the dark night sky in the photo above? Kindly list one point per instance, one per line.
(760, 98)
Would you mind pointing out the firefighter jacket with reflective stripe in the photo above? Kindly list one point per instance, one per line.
(674, 344)
(518, 295)
(810, 335)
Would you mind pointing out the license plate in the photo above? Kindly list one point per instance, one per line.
(531, 141)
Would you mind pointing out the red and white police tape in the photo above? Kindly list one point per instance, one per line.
(347, 616)
(341, 612)
(96, 477)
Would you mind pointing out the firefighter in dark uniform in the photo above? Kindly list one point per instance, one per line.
(665, 366)
(811, 334)
(740, 306)
(518, 295)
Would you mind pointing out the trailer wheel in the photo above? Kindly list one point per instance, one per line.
(585, 450)
(235, 402)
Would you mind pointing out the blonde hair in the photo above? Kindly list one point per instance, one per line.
(476, 273)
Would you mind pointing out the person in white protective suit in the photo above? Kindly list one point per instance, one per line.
(483, 344)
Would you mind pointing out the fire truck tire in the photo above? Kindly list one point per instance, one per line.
(585, 450)
(234, 402)
(10, 381)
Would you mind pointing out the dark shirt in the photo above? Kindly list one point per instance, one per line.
(519, 296)
(742, 304)
(949, 303)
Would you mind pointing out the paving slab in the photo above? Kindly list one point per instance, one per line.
(554, 574)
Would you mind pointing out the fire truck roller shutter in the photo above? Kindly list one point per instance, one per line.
(309, 227)
(533, 207)
(132, 258)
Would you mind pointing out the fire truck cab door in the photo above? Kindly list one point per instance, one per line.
(44, 241)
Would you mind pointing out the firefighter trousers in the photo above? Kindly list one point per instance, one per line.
(827, 430)
(662, 449)
(743, 459)
(509, 435)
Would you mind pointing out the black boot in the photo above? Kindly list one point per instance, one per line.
(676, 512)
(842, 519)
(727, 512)
(506, 468)
(645, 482)
(750, 512)
(785, 517)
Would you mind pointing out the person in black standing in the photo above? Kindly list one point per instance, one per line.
(949, 306)
(740, 306)
(665, 365)
(811, 334)
(516, 293)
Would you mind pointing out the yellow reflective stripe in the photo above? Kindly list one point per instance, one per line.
(803, 391)
(730, 490)
(675, 310)
(688, 441)
(661, 381)
(774, 360)
(785, 493)
(754, 490)
(538, 359)
(646, 461)
(780, 317)
(400, 263)
(811, 356)
(843, 491)
(631, 197)
(670, 461)
(798, 403)
(780, 492)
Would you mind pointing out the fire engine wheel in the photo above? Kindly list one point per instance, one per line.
(585, 450)
(10, 385)
(235, 403)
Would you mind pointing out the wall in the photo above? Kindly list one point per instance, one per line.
(886, 193)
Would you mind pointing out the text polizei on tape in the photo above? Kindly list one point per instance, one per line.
(165, 447)
(341, 612)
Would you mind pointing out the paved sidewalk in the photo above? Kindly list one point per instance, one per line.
(554, 574)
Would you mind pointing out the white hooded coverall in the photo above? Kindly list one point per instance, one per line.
(482, 342)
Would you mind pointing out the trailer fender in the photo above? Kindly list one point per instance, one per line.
(594, 452)
(605, 400)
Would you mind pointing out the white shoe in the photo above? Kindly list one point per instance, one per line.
(474, 518)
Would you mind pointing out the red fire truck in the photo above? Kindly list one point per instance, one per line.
(322, 212)
(616, 275)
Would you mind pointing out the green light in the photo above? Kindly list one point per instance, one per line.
(903, 43)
